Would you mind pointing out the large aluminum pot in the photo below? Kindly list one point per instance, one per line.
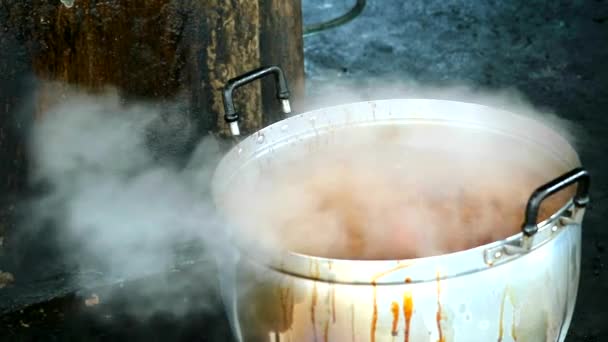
(520, 288)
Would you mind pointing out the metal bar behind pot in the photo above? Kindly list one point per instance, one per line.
(231, 115)
(581, 199)
(354, 12)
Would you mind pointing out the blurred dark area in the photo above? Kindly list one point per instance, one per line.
(553, 52)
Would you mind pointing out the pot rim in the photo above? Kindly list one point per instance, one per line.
(424, 269)
(241, 153)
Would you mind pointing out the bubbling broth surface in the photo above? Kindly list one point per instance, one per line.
(390, 192)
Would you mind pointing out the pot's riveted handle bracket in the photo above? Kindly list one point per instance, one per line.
(503, 252)
(511, 249)
(231, 115)
(516, 247)
(577, 176)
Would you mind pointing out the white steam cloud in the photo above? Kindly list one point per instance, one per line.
(124, 204)
(392, 193)
(115, 195)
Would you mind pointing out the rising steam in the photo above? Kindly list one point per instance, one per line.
(124, 203)
(123, 206)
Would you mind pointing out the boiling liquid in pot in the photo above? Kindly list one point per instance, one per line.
(391, 192)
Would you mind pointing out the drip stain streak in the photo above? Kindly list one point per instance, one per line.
(333, 304)
(501, 317)
(395, 311)
(408, 310)
(374, 316)
(394, 269)
(352, 320)
(439, 311)
(501, 329)
(286, 299)
(313, 305)
(375, 306)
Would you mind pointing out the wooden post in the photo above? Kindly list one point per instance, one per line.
(160, 49)
(282, 22)
(147, 49)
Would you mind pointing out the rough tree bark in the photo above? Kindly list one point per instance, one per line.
(148, 49)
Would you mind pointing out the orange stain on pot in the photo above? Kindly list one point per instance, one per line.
(314, 270)
(313, 304)
(333, 303)
(408, 311)
(286, 300)
(313, 307)
(439, 310)
(352, 321)
(374, 323)
(513, 328)
(374, 315)
(395, 311)
(501, 330)
(331, 311)
(394, 269)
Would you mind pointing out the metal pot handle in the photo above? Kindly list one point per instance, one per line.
(231, 115)
(581, 199)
